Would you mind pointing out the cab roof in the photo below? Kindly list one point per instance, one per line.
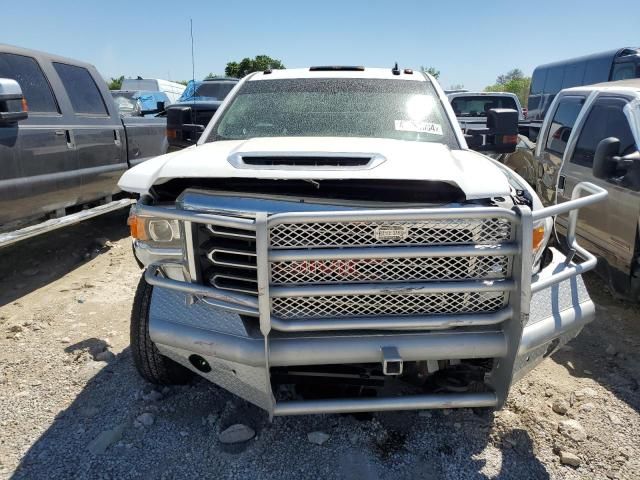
(632, 84)
(339, 72)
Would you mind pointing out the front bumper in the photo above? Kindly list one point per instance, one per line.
(237, 354)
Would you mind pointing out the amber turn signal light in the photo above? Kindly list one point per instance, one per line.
(137, 227)
(538, 237)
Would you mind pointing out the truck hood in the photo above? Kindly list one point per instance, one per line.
(477, 176)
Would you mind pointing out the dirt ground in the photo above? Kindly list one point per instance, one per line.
(72, 405)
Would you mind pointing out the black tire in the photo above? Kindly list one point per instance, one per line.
(151, 365)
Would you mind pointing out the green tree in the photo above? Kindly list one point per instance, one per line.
(248, 65)
(456, 86)
(433, 71)
(514, 74)
(116, 83)
(183, 82)
(210, 76)
(513, 81)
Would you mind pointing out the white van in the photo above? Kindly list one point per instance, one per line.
(172, 89)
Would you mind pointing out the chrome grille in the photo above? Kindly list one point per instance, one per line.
(388, 270)
(230, 259)
(353, 234)
(387, 304)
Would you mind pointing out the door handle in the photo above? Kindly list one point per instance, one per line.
(59, 133)
(561, 181)
(116, 138)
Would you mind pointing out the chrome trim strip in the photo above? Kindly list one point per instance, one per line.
(395, 288)
(393, 215)
(426, 322)
(206, 218)
(412, 402)
(191, 258)
(393, 252)
(246, 266)
(221, 296)
(55, 223)
(211, 228)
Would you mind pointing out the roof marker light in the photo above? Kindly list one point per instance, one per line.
(337, 68)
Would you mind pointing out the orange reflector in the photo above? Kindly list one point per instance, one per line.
(136, 226)
(172, 133)
(509, 139)
(25, 107)
(538, 237)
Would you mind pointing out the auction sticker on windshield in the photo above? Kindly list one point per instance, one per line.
(421, 127)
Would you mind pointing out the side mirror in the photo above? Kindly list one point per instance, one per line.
(181, 131)
(13, 106)
(501, 134)
(160, 106)
(607, 163)
(604, 164)
(503, 123)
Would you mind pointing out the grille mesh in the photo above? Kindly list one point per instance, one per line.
(386, 304)
(389, 269)
(431, 232)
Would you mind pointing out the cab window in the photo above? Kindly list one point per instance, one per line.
(82, 89)
(562, 124)
(34, 85)
(606, 119)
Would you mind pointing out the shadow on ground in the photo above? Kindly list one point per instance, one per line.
(31, 264)
(608, 350)
(98, 436)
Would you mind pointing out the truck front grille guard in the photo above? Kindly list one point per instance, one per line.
(513, 315)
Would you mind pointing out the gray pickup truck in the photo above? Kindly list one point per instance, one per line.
(63, 144)
(592, 134)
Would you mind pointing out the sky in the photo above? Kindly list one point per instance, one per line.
(470, 42)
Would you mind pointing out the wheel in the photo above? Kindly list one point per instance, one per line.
(151, 365)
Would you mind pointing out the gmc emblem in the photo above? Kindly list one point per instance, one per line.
(391, 232)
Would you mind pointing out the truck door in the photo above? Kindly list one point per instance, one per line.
(557, 137)
(98, 136)
(34, 153)
(610, 227)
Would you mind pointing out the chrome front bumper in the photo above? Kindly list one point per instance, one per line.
(542, 313)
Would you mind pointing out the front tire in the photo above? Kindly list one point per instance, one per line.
(150, 363)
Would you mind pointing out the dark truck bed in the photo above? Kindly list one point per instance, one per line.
(73, 146)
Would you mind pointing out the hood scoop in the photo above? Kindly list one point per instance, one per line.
(305, 161)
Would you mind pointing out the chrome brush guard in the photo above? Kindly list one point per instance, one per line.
(368, 286)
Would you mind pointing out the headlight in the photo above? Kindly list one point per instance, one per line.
(158, 230)
(164, 230)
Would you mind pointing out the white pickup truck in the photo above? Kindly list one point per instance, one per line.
(332, 227)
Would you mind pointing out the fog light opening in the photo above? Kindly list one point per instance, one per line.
(200, 363)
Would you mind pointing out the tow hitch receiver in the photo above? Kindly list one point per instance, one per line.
(391, 361)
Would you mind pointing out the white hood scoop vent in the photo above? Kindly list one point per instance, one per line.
(305, 161)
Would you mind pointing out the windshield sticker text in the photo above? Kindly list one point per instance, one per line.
(421, 127)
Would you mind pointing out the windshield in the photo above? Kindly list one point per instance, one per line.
(380, 108)
(207, 91)
(478, 106)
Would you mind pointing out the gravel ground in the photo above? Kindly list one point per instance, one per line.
(72, 405)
